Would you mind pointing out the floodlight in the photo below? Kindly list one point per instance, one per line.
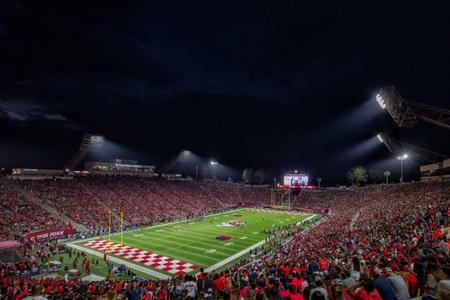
(380, 138)
(89, 143)
(381, 101)
(213, 163)
(402, 157)
(97, 139)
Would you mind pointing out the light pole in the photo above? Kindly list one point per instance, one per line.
(289, 203)
(272, 196)
(401, 158)
(196, 173)
(319, 180)
(387, 174)
(213, 166)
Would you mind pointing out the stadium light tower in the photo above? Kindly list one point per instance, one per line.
(398, 148)
(380, 138)
(401, 158)
(89, 143)
(181, 157)
(213, 164)
(387, 173)
(407, 113)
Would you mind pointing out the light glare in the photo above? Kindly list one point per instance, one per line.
(380, 138)
(402, 157)
(380, 101)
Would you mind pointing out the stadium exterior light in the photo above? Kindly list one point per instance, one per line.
(381, 101)
(96, 139)
(401, 158)
(380, 138)
(387, 173)
(89, 143)
(213, 164)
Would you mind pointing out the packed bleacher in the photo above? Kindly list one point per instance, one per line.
(386, 242)
(19, 215)
(143, 201)
(231, 193)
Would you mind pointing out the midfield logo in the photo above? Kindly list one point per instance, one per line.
(231, 223)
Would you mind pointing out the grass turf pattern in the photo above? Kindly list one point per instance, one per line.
(195, 241)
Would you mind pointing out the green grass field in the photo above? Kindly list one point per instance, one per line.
(195, 241)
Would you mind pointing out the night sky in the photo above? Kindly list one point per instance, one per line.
(276, 84)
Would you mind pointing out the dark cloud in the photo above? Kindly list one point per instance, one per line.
(25, 111)
(258, 83)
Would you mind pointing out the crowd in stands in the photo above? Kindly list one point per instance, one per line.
(143, 201)
(70, 198)
(19, 215)
(389, 242)
(230, 193)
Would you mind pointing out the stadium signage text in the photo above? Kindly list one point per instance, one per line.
(47, 234)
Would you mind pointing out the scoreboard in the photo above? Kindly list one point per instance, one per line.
(295, 179)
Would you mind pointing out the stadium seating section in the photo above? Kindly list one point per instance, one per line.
(368, 233)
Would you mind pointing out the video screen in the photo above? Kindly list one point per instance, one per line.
(296, 179)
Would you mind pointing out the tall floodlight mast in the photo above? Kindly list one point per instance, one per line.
(407, 113)
(399, 148)
(181, 157)
(89, 143)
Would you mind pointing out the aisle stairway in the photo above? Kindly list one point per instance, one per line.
(99, 201)
(209, 192)
(53, 211)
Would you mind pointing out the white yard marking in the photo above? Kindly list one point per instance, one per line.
(211, 251)
(243, 237)
(245, 251)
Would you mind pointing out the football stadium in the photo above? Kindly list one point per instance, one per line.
(214, 242)
(256, 150)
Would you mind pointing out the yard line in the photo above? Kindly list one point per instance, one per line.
(196, 231)
(243, 252)
(200, 240)
(184, 245)
(162, 225)
(193, 251)
(233, 257)
(206, 240)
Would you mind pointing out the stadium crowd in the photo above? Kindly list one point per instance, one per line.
(387, 242)
(19, 215)
(143, 201)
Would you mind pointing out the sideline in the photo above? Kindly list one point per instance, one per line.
(121, 261)
(299, 223)
(233, 257)
(246, 250)
(307, 219)
(162, 276)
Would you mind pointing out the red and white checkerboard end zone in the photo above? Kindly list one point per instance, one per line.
(152, 260)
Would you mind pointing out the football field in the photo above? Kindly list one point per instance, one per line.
(183, 247)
